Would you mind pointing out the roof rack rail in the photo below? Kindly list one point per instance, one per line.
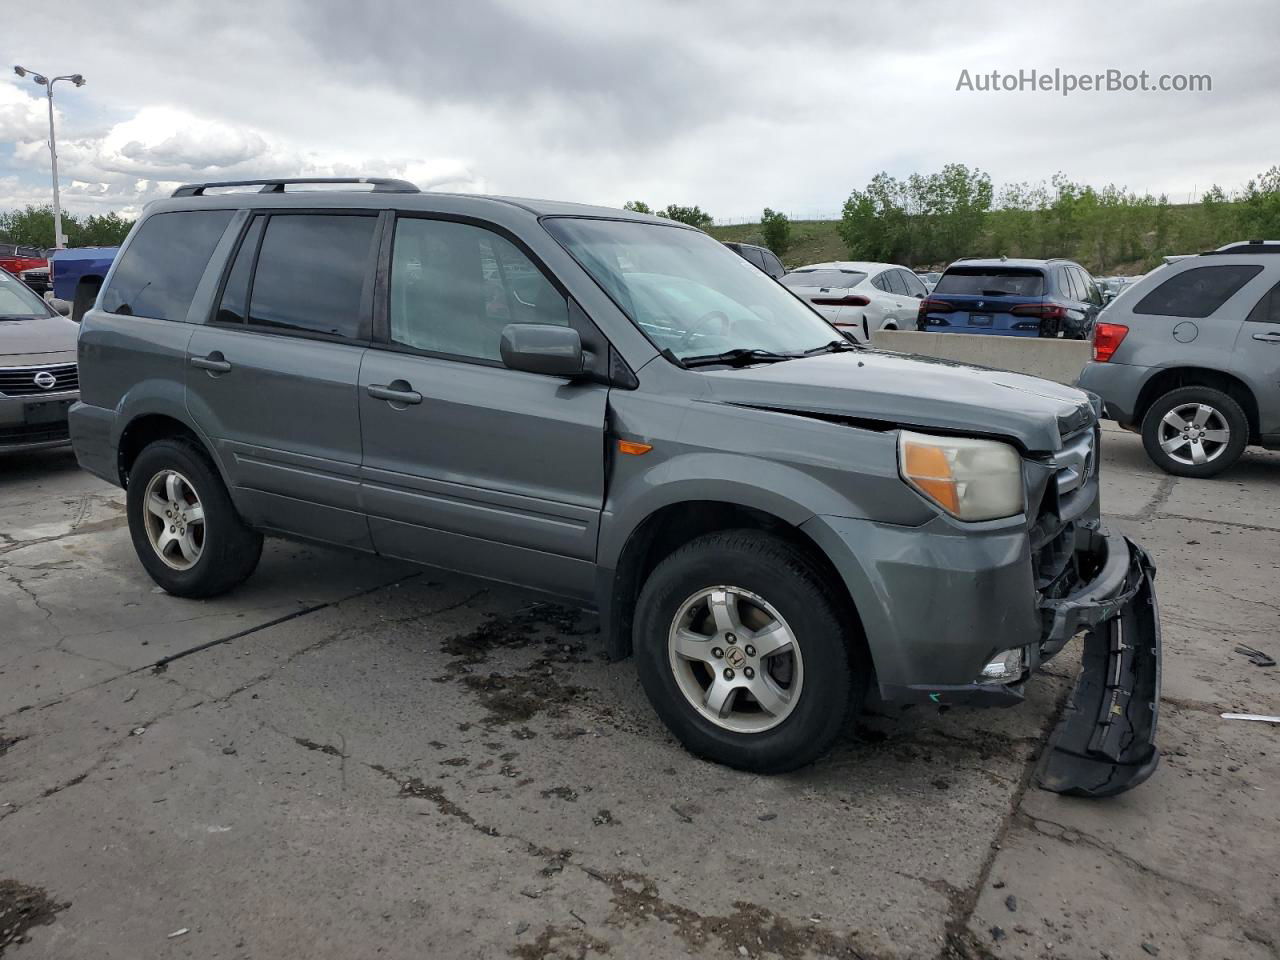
(380, 185)
(1245, 246)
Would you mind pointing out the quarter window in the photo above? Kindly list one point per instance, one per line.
(454, 287)
(311, 274)
(1197, 292)
(159, 271)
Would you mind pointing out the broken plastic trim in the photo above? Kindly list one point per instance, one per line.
(1104, 743)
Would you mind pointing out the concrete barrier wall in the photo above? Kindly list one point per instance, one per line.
(1060, 360)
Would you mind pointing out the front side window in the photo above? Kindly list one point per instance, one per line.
(311, 273)
(455, 286)
(158, 273)
(689, 294)
(1197, 292)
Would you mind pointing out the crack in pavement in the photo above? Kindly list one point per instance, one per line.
(98, 526)
(160, 665)
(1073, 835)
(635, 897)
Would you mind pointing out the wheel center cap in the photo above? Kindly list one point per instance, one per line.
(735, 657)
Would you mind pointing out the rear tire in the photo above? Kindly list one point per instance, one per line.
(185, 529)
(807, 689)
(1174, 440)
(85, 297)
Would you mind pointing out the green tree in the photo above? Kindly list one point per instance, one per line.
(33, 226)
(694, 216)
(777, 230)
(637, 206)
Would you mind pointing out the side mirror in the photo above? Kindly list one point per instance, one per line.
(545, 348)
(61, 306)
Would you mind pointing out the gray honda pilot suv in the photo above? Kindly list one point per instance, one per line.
(615, 409)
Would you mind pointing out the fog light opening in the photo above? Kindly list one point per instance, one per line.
(1006, 668)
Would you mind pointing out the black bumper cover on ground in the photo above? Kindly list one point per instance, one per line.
(1104, 743)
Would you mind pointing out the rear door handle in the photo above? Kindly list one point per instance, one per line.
(1271, 336)
(398, 392)
(214, 363)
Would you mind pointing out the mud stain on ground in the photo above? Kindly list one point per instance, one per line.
(23, 907)
(539, 688)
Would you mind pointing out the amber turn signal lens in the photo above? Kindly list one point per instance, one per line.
(930, 471)
(634, 449)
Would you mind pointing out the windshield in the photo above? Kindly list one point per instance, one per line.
(991, 282)
(823, 278)
(689, 293)
(17, 301)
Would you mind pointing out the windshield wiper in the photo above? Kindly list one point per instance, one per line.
(739, 357)
(835, 346)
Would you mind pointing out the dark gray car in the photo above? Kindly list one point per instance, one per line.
(615, 409)
(38, 380)
(1189, 355)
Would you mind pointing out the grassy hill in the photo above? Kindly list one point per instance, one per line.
(815, 241)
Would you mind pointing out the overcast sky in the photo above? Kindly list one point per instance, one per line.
(730, 105)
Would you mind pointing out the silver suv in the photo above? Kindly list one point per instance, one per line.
(616, 409)
(1190, 356)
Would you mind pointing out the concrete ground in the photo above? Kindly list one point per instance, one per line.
(369, 759)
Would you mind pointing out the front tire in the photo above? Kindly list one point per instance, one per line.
(744, 655)
(1195, 432)
(185, 529)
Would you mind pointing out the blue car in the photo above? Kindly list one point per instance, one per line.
(1013, 298)
(77, 275)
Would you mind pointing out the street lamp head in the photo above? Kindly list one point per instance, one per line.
(77, 79)
(20, 71)
(40, 79)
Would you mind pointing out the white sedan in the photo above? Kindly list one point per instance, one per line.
(860, 298)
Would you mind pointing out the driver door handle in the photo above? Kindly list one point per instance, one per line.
(381, 391)
(1271, 336)
(214, 363)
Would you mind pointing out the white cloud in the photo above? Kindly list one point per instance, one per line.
(730, 106)
(22, 116)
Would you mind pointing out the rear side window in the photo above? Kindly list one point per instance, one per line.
(773, 266)
(454, 287)
(1197, 292)
(235, 295)
(311, 274)
(1268, 308)
(914, 287)
(991, 282)
(157, 275)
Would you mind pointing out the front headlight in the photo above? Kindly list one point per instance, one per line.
(970, 479)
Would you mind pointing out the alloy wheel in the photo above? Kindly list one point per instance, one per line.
(735, 659)
(1194, 433)
(174, 518)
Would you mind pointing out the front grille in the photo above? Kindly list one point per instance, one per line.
(34, 433)
(1076, 463)
(21, 381)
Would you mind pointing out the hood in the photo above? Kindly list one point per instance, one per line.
(42, 335)
(919, 392)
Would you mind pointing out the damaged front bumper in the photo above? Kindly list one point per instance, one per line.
(1104, 743)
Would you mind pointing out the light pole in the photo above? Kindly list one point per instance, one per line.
(41, 80)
